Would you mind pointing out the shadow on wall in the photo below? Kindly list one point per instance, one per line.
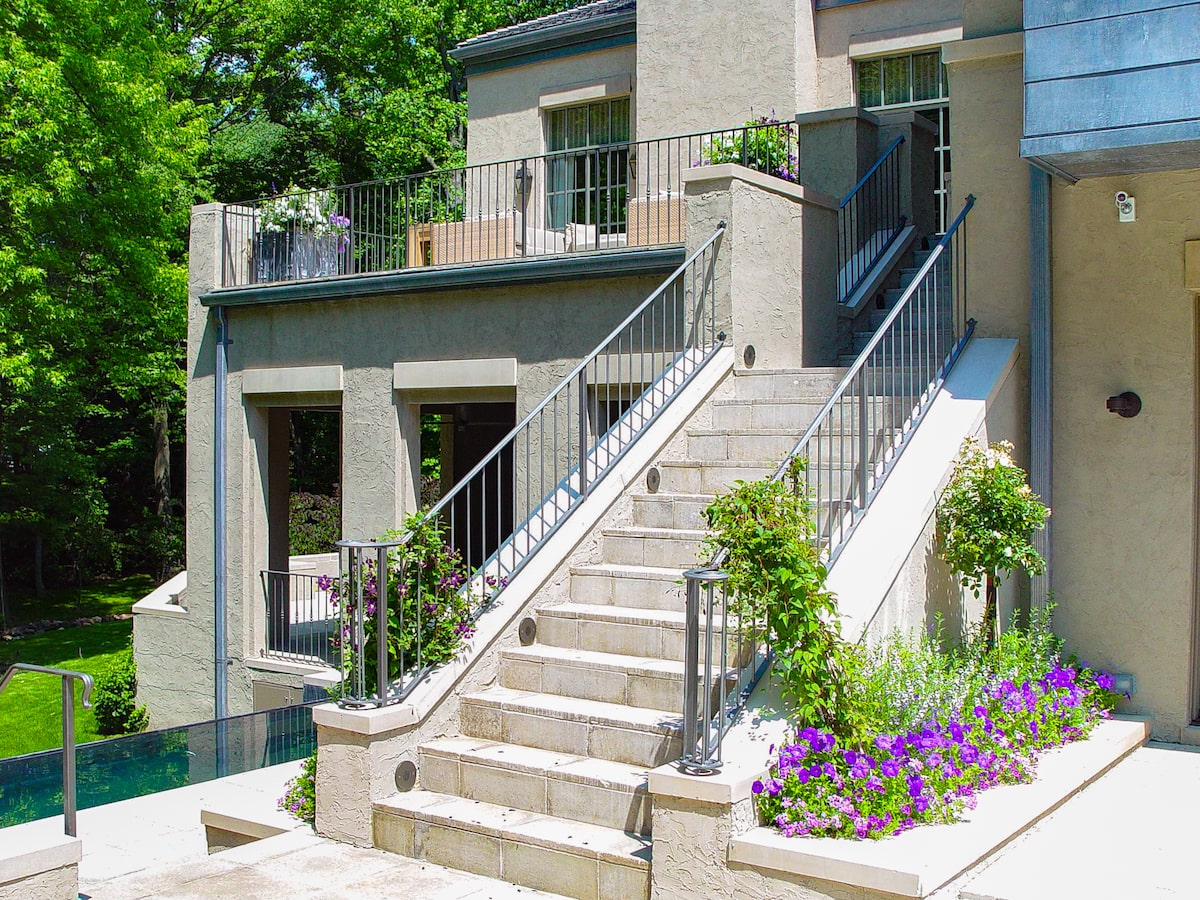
(944, 596)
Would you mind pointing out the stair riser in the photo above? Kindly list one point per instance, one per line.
(511, 859)
(635, 593)
(785, 386)
(605, 741)
(641, 690)
(625, 550)
(698, 478)
(668, 512)
(539, 792)
(650, 641)
(754, 416)
(743, 447)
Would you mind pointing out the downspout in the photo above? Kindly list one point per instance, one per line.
(220, 591)
(1041, 443)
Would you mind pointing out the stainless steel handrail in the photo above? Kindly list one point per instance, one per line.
(68, 718)
(512, 501)
(903, 365)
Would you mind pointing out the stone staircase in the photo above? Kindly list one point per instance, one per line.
(546, 785)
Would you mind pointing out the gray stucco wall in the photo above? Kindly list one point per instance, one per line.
(547, 328)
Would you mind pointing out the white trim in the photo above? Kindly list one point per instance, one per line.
(909, 39)
(612, 86)
(293, 380)
(165, 600)
(452, 374)
(991, 47)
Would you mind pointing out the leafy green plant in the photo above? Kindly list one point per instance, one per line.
(776, 578)
(430, 604)
(765, 145)
(986, 518)
(314, 522)
(114, 698)
(300, 793)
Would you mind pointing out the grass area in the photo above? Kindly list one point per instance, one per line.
(104, 598)
(31, 705)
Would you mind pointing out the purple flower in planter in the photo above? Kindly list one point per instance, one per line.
(756, 788)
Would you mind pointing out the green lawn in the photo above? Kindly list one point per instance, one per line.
(31, 705)
(102, 599)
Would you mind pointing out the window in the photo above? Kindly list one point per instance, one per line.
(915, 81)
(588, 168)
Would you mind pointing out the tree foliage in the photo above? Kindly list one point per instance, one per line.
(115, 117)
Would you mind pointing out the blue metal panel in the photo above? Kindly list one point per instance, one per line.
(1156, 38)
(1042, 13)
(1143, 97)
(1112, 86)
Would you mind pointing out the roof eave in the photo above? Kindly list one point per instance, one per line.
(504, 47)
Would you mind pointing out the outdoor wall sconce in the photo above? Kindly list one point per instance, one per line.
(1126, 405)
(522, 178)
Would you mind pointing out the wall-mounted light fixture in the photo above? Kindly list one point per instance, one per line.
(522, 178)
(1126, 207)
(1126, 405)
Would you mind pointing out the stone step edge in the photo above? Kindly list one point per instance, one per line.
(520, 826)
(608, 774)
(591, 712)
(624, 571)
(637, 666)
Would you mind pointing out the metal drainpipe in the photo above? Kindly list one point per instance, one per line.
(220, 595)
(1041, 411)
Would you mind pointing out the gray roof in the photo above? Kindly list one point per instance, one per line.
(570, 22)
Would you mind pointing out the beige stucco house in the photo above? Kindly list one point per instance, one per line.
(607, 153)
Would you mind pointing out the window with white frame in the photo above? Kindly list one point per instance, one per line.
(587, 171)
(914, 81)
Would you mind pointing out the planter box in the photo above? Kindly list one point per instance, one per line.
(293, 255)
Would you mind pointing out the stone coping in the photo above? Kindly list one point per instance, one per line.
(164, 600)
(26, 853)
(729, 171)
(918, 862)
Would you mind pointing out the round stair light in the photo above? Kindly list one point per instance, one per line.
(749, 355)
(527, 631)
(653, 479)
(406, 776)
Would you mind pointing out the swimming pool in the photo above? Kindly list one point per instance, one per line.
(140, 764)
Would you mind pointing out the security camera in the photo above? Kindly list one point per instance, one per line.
(1125, 207)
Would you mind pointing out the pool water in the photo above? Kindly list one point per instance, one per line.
(140, 764)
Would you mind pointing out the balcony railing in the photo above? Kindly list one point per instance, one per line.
(300, 617)
(596, 198)
(869, 220)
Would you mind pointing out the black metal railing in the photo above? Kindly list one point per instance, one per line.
(869, 220)
(300, 617)
(596, 198)
(500, 513)
(849, 450)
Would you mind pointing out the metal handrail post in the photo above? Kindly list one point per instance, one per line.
(68, 718)
(381, 624)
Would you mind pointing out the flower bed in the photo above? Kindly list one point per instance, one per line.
(944, 726)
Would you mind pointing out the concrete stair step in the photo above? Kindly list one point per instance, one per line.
(635, 735)
(755, 415)
(786, 384)
(640, 587)
(637, 681)
(666, 510)
(548, 853)
(594, 791)
(662, 547)
(709, 477)
(767, 445)
(649, 633)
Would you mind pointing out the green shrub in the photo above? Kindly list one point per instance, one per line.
(300, 797)
(114, 699)
(777, 581)
(314, 522)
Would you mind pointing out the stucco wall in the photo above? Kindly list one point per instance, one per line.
(706, 66)
(828, 79)
(502, 106)
(1124, 489)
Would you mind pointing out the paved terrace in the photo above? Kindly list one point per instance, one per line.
(155, 846)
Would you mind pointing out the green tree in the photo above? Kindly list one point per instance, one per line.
(99, 172)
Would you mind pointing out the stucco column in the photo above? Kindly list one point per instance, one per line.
(776, 267)
(380, 435)
(835, 147)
